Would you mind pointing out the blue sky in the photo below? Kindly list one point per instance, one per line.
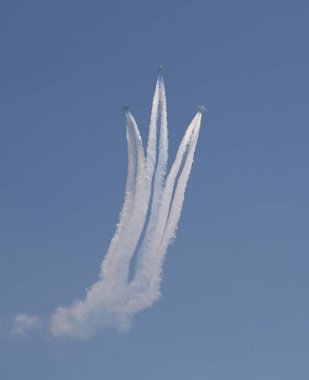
(235, 288)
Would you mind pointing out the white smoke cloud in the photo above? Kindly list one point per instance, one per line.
(114, 299)
(24, 322)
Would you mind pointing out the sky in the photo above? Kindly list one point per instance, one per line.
(235, 285)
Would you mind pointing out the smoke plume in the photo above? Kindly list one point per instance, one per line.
(149, 217)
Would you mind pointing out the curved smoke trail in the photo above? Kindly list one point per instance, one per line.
(113, 299)
(133, 140)
(146, 284)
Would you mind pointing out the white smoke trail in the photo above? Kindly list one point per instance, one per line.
(146, 283)
(105, 296)
(176, 207)
(146, 178)
(151, 153)
(122, 226)
(135, 208)
(160, 173)
(144, 175)
(112, 300)
(136, 217)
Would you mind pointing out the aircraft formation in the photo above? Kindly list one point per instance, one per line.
(202, 108)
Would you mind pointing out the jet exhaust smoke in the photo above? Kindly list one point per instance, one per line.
(114, 299)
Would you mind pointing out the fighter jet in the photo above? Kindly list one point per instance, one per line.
(160, 68)
(126, 107)
(202, 108)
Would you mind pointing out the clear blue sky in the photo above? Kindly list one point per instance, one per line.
(235, 292)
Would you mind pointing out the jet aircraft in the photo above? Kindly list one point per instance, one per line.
(126, 107)
(201, 108)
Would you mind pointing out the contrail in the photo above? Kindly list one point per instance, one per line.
(159, 177)
(114, 299)
(176, 207)
(143, 181)
(160, 173)
(152, 137)
(136, 217)
(132, 140)
(146, 284)
(137, 193)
